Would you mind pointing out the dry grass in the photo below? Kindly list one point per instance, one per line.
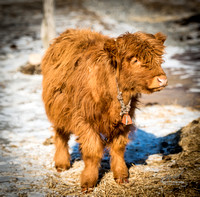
(173, 175)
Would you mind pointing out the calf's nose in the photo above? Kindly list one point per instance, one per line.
(162, 80)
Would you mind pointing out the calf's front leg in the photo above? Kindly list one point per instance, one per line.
(118, 165)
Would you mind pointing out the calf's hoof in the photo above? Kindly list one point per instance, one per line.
(61, 168)
(86, 190)
(121, 180)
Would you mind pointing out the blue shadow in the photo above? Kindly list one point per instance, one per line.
(141, 145)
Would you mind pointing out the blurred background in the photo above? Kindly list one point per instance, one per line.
(20, 32)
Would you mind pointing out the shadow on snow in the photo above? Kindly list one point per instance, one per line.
(140, 147)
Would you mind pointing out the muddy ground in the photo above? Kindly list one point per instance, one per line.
(163, 160)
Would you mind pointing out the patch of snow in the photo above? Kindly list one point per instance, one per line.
(163, 120)
(178, 85)
(178, 72)
(171, 62)
(153, 158)
(156, 125)
(185, 76)
(194, 90)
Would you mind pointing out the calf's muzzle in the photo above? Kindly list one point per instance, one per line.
(162, 80)
(158, 82)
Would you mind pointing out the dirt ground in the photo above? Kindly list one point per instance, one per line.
(171, 175)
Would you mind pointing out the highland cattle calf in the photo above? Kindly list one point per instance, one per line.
(91, 85)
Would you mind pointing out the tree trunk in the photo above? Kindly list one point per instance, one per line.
(48, 24)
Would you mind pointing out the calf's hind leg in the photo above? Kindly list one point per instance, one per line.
(118, 165)
(62, 156)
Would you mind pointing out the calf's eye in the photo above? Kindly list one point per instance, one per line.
(134, 60)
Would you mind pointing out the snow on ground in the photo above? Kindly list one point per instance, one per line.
(25, 163)
(164, 120)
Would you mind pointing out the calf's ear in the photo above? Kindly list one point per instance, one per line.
(160, 36)
(110, 47)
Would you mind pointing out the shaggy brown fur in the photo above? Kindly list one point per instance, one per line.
(81, 70)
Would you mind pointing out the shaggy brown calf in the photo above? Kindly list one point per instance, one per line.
(91, 85)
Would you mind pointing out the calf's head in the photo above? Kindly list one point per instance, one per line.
(137, 59)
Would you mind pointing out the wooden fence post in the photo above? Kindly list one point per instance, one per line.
(48, 31)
